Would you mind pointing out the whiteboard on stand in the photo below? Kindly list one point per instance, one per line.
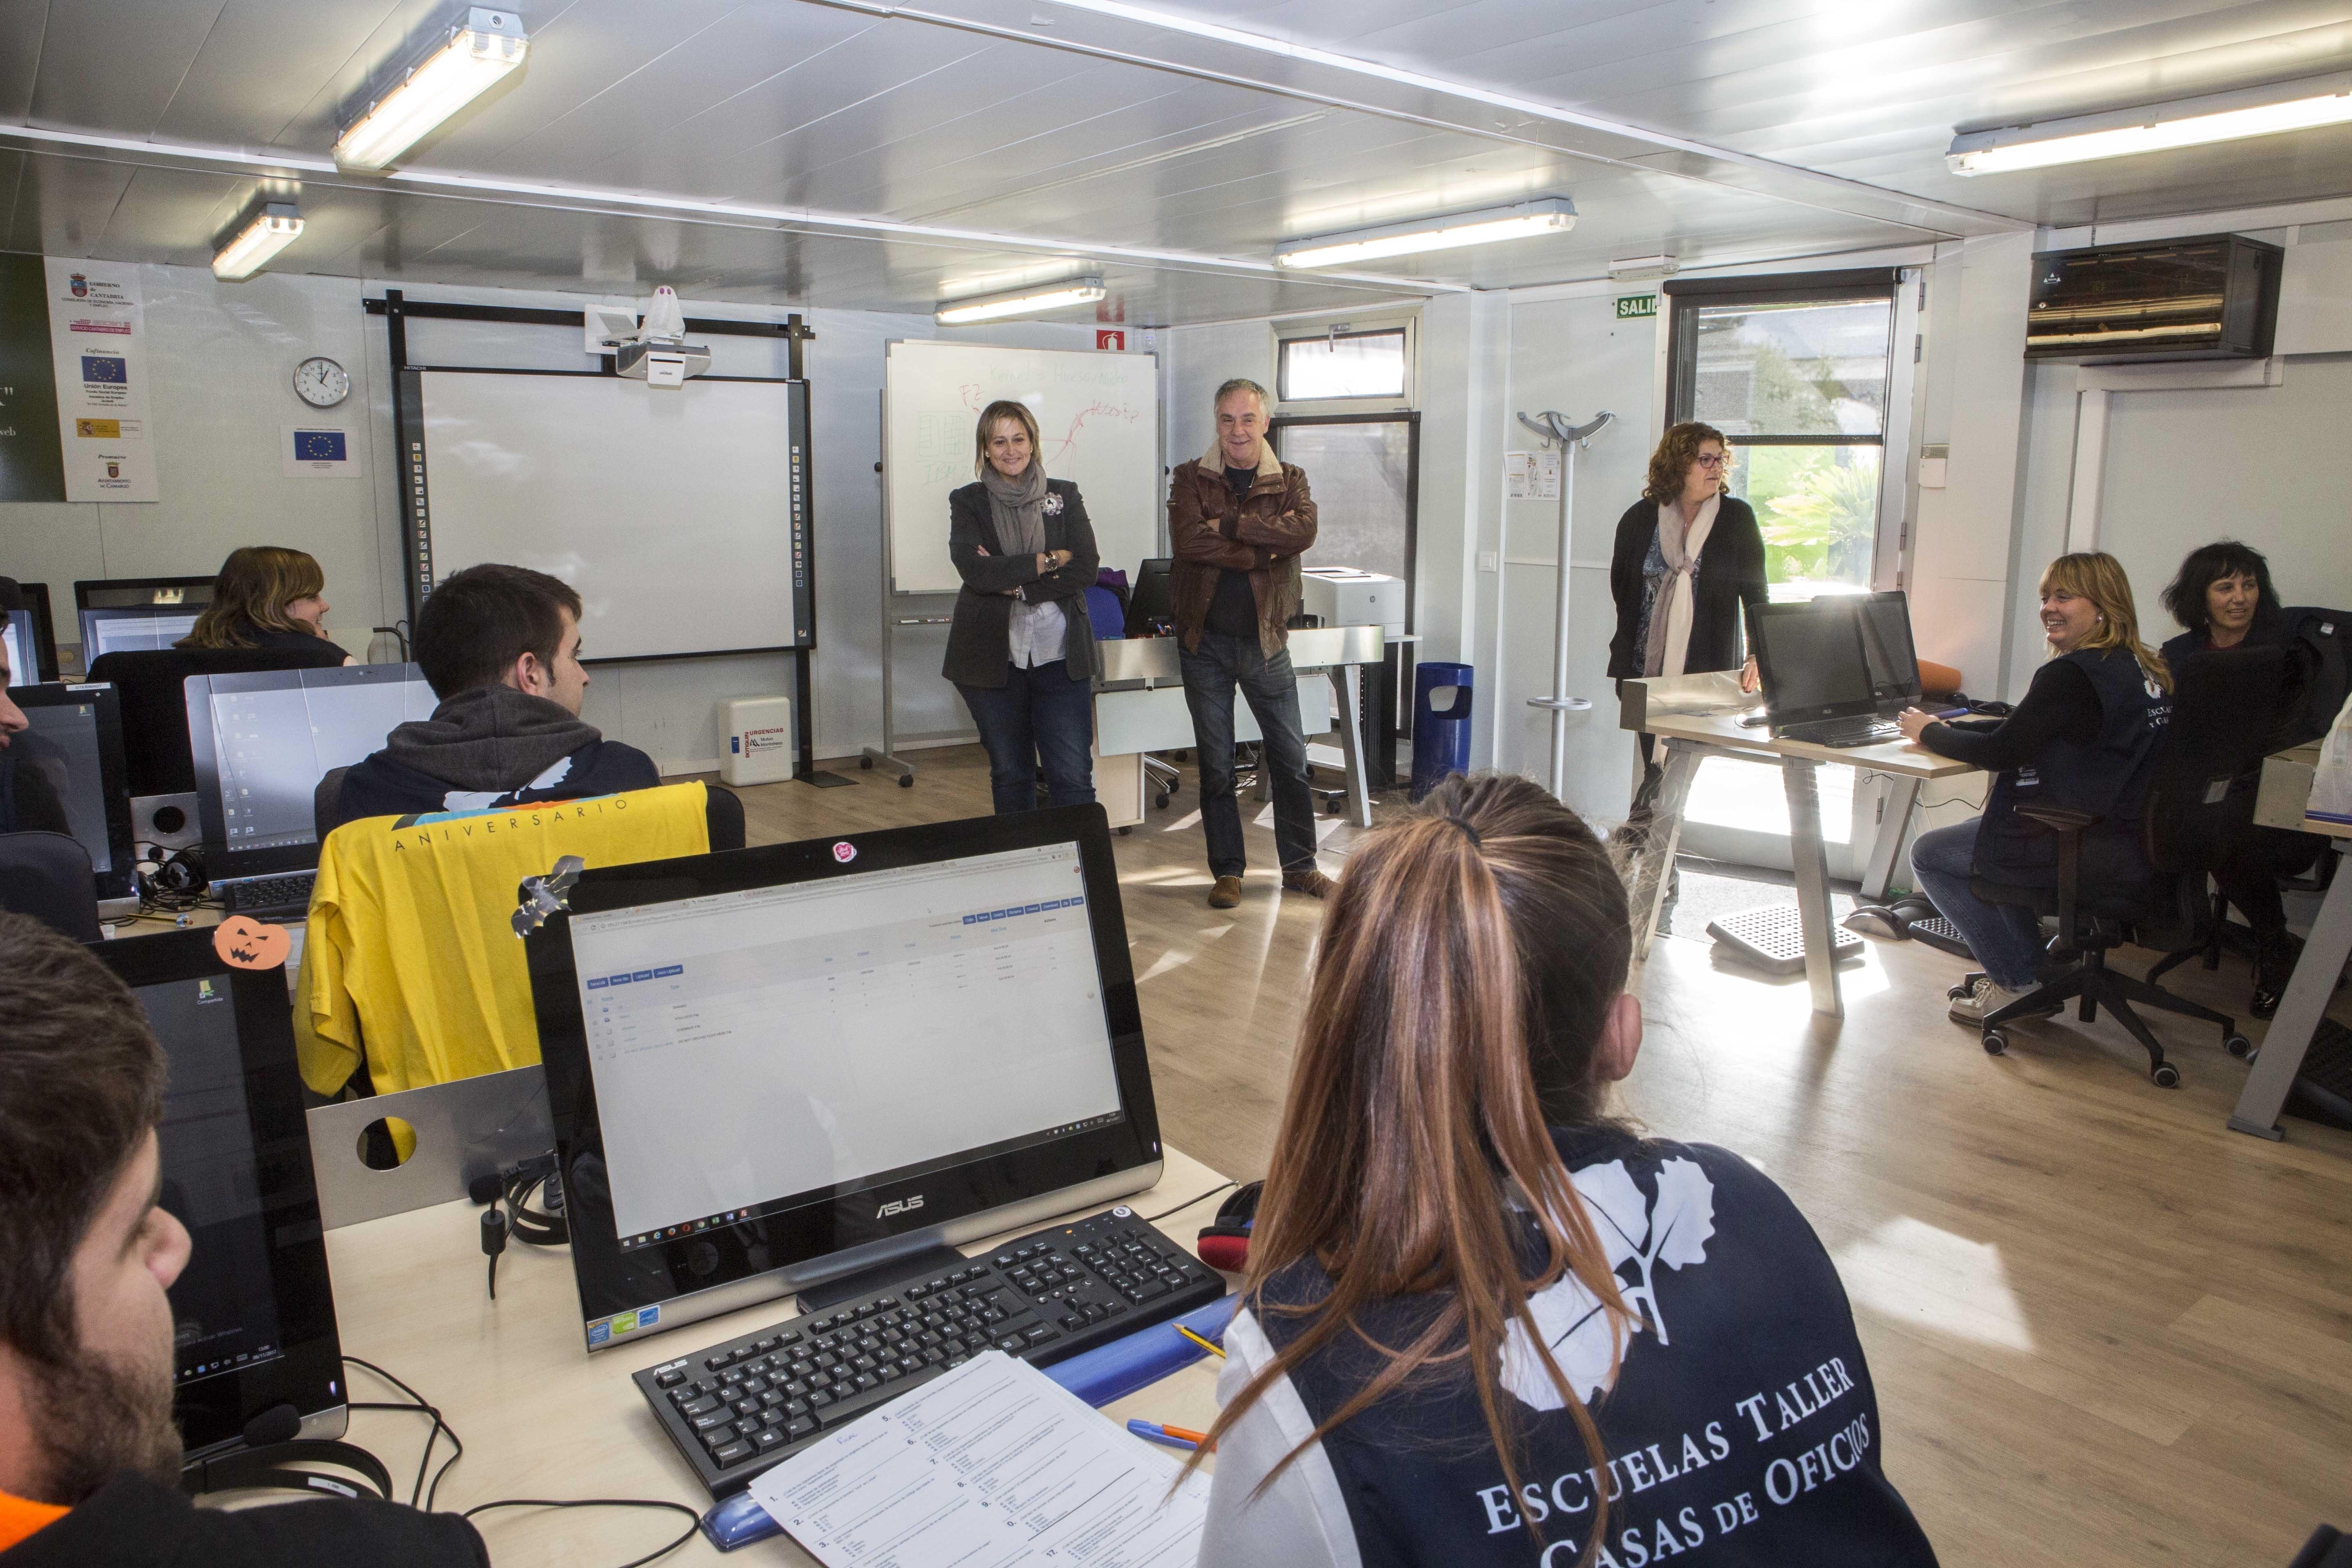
(1098, 423)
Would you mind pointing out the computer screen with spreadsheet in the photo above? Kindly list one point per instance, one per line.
(794, 1053)
(839, 1031)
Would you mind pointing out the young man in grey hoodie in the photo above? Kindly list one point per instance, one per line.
(500, 645)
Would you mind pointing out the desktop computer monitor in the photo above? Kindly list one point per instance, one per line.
(74, 739)
(261, 741)
(1810, 658)
(137, 614)
(29, 635)
(253, 1312)
(774, 1067)
(1152, 598)
(1886, 643)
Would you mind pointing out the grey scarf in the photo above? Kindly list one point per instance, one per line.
(1018, 507)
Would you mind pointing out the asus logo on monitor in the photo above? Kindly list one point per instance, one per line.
(901, 1207)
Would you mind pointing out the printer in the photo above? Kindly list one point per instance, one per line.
(1343, 596)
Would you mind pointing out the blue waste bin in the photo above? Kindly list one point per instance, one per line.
(1441, 736)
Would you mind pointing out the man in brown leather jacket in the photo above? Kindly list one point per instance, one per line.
(1238, 519)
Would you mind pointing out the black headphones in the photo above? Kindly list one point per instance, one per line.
(274, 1457)
(176, 874)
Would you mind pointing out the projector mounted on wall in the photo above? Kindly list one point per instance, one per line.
(655, 353)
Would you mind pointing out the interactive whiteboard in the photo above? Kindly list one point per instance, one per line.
(679, 514)
(1098, 415)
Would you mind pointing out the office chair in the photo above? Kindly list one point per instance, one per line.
(48, 877)
(2327, 1548)
(2219, 715)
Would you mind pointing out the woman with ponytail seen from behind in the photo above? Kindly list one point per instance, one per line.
(1485, 1324)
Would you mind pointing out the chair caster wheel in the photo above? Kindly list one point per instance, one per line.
(906, 781)
(865, 763)
(2166, 1075)
(1125, 831)
(1159, 802)
(1955, 993)
(1996, 1043)
(2239, 1046)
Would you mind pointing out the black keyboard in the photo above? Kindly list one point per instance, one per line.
(1861, 731)
(737, 1408)
(290, 894)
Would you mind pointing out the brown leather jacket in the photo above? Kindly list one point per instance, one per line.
(1263, 534)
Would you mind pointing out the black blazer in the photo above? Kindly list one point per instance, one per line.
(980, 640)
(1730, 575)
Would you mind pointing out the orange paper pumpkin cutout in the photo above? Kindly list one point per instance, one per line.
(245, 943)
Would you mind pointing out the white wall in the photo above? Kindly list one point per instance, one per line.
(223, 356)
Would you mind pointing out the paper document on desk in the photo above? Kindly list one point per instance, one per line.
(993, 1465)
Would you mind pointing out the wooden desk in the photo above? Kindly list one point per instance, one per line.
(2313, 982)
(1691, 738)
(541, 1419)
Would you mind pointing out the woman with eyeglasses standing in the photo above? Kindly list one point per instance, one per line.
(1688, 557)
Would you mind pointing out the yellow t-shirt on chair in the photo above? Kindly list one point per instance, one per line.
(412, 955)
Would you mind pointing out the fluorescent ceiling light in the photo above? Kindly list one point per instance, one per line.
(1032, 301)
(2188, 122)
(1632, 268)
(277, 226)
(477, 55)
(1554, 214)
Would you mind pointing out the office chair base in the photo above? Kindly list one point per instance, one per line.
(2095, 984)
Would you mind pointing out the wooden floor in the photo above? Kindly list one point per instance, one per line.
(2104, 1329)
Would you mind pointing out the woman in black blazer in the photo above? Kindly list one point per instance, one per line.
(1021, 649)
(1679, 589)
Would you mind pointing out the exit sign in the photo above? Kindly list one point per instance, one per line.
(1633, 305)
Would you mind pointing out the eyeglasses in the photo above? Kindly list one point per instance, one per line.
(1711, 461)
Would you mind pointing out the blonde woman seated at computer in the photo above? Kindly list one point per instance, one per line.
(1484, 1322)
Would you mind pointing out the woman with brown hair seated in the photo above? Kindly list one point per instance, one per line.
(1485, 1323)
(266, 597)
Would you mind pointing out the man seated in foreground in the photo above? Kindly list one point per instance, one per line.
(500, 647)
(90, 1458)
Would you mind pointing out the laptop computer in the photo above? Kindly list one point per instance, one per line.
(1887, 642)
(1816, 674)
(261, 741)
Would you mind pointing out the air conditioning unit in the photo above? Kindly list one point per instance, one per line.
(2212, 296)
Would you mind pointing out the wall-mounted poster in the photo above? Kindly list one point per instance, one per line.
(30, 466)
(98, 338)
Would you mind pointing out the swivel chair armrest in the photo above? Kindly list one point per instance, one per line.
(2059, 818)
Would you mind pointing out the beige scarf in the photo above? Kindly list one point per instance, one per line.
(1670, 617)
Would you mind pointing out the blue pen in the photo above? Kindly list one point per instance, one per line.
(1156, 1433)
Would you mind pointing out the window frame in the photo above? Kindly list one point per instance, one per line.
(1411, 419)
(1345, 324)
(1687, 296)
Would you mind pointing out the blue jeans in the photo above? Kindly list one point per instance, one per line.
(1210, 674)
(1039, 716)
(2006, 938)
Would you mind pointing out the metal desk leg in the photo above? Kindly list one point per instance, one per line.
(1665, 831)
(1813, 868)
(1887, 847)
(1348, 691)
(2300, 1010)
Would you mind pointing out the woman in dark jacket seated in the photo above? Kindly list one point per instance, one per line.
(1485, 1324)
(2223, 596)
(266, 597)
(2083, 739)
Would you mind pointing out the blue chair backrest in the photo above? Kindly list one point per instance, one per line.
(1104, 610)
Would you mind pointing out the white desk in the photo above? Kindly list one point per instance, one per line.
(2309, 989)
(1139, 709)
(1691, 738)
(541, 1418)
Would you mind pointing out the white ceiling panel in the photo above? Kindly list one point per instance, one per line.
(1169, 156)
